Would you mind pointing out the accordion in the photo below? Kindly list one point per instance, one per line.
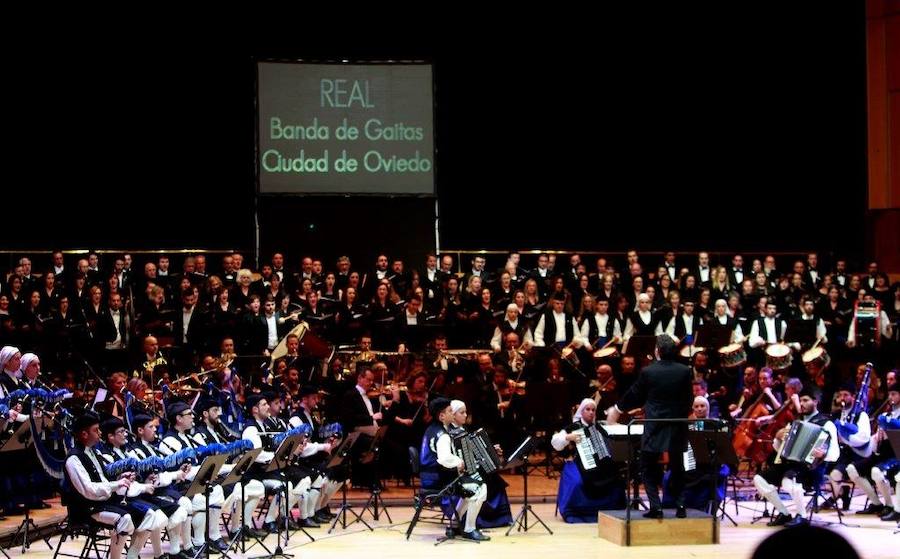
(802, 439)
(477, 452)
(591, 447)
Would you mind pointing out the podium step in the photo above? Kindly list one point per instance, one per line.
(696, 529)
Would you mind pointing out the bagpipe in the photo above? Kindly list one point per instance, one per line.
(192, 456)
(44, 399)
(303, 429)
(37, 394)
(331, 431)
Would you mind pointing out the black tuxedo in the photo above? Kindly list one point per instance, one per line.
(732, 277)
(353, 411)
(255, 338)
(700, 282)
(196, 334)
(664, 389)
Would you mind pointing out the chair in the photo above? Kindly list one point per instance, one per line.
(94, 532)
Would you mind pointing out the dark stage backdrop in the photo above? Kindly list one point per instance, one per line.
(738, 131)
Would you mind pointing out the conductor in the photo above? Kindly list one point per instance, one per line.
(664, 390)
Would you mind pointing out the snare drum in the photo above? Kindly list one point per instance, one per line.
(610, 352)
(816, 356)
(568, 354)
(778, 356)
(732, 355)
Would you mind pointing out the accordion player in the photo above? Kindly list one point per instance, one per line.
(809, 444)
(591, 480)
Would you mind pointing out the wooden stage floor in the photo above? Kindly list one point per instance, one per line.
(873, 539)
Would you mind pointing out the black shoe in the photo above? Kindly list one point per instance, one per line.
(779, 520)
(321, 518)
(890, 515)
(325, 513)
(681, 512)
(872, 509)
(271, 527)
(828, 504)
(653, 513)
(797, 521)
(475, 535)
(183, 554)
(308, 523)
(219, 544)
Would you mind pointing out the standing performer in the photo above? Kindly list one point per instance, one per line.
(664, 389)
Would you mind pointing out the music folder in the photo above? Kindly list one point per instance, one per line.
(207, 473)
(284, 452)
(241, 466)
(20, 439)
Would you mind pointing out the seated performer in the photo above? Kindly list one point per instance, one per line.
(89, 494)
(697, 477)
(181, 422)
(881, 465)
(114, 448)
(440, 467)
(211, 430)
(794, 475)
(589, 482)
(855, 438)
(257, 432)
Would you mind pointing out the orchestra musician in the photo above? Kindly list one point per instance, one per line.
(586, 488)
(440, 466)
(90, 494)
(794, 476)
(881, 465)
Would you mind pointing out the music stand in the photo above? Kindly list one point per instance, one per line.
(623, 453)
(713, 448)
(520, 458)
(279, 462)
(236, 475)
(341, 456)
(204, 480)
(375, 491)
(21, 439)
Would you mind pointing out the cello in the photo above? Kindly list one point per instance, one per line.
(745, 434)
(764, 444)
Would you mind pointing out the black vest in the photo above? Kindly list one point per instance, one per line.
(640, 327)
(764, 333)
(521, 327)
(80, 506)
(681, 331)
(550, 328)
(431, 473)
(594, 329)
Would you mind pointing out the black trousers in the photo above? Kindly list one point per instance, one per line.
(652, 472)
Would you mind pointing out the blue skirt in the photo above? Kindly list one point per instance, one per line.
(696, 495)
(495, 511)
(576, 506)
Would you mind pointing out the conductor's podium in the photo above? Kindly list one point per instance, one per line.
(697, 528)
